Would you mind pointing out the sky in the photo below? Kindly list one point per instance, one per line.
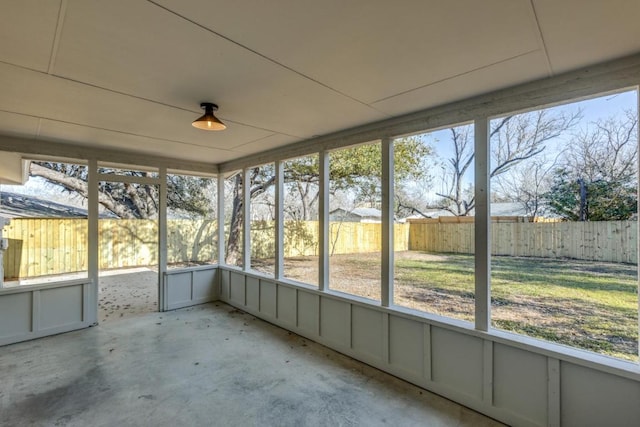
(592, 110)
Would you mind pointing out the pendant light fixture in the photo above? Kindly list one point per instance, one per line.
(208, 121)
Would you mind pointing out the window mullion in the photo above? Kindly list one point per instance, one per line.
(323, 222)
(482, 225)
(279, 223)
(246, 229)
(387, 223)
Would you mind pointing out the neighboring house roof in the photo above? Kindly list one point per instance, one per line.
(367, 212)
(497, 209)
(361, 212)
(14, 205)
(508, 209)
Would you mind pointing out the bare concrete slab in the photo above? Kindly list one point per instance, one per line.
(127, 293)
(201, 366)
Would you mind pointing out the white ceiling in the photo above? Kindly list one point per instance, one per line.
(130, 74)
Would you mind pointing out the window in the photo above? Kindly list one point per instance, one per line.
(564, 230)
(301, 194)
(192, 237)
(434, 243)
(233, 219)
(355, 232)
(47, 233)
(262, 218)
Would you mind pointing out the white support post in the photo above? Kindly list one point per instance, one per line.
(93, 241)
(638, 201)
(246, 219)
(162, 238)
(482, 225)
(279, 223)
(323, 222)
(220, 216)
(387, 223)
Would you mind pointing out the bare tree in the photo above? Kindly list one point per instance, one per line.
(454, 199)
(514, 139)
(527, 183)
(597, 178)
(606, 150)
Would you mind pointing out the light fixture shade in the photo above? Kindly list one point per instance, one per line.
(208, 121)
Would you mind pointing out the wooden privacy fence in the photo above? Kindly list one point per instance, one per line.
(301, 238)
(40, 247)
(609, 241)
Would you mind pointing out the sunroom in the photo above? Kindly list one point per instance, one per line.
(444, 191)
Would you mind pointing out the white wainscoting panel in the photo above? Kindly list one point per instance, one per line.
(335, 322)
(268, 299)
(405, 346)
(238, 289)
(366, 332)
(597, 399)
(308, 313)
(60, 307)
(252, 288)
(287, 306)
(505, 376)
(520, 382)
(35, 311)
(457, 361)
(15, 314)
(191, 286)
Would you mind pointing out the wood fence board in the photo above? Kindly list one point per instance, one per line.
(609, 241)
(54, 246)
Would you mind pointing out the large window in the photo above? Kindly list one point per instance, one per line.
(192, 237)
(300, 205)
(434, 200)
(233, 219)
(262, 218)
(355, 232)
(563, 217)
(47, 232)
(564, 230)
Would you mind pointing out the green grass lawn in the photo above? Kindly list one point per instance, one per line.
(583, 304)
(589, 305)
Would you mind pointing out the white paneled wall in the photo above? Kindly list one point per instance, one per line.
(503, 377)
(35, 311)
(190, 286)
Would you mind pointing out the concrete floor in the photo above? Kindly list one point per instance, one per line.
(201, 366)
(127, 293)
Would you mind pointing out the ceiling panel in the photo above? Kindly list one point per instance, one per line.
(40, 95)
(27, 30)
(583, 32)
(172, 61)
(470, 84)
(130, 74)
(373, 50)
(86, 136)
(18, 124)
(273, 141)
